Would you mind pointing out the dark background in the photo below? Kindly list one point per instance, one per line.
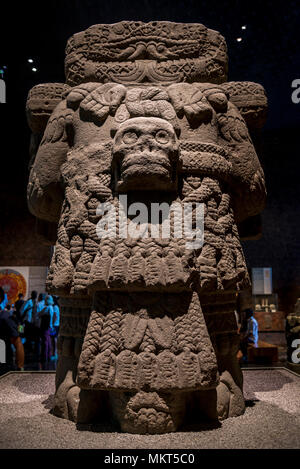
(268, 54)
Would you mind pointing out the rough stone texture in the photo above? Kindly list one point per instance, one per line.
(250, 99)
(148, 324)
(133, 52)
(271, 419)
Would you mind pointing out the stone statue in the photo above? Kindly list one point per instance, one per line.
(148, 331)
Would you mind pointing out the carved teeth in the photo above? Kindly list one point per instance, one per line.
(144, 158)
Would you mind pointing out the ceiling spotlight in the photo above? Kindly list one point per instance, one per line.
(34, 69)
(239, 39)
(244, 27)
(30, 61)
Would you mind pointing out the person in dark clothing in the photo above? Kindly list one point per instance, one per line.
(18, 305)
(46, 325)
(3, 298)
(10, 335)
(9, 309)
(29, 317)
(55, 327)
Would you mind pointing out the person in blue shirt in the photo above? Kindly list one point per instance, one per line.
(252, 328)
(28, 309)
(46, 325)
(3, 299)
(55, 327)
(28, 314)
(41, 300)
(250, 335)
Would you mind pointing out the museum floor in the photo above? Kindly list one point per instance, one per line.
(271, 420)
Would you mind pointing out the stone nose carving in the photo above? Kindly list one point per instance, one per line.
(145, 155)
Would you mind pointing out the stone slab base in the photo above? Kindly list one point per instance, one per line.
(271, 420)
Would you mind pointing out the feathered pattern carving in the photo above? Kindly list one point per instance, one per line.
(138, 348)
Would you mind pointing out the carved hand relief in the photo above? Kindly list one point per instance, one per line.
(147, 316)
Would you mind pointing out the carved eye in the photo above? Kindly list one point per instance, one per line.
(162, 136)
(161, 48)
(130, 137)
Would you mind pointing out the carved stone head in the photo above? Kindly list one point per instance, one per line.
(145, 155)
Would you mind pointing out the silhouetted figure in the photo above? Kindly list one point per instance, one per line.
(3, 298)
(18, 305)
(28, 318)
(55, 327)
(9, 333)
(46, 317)
(41, 302)
(249, 333)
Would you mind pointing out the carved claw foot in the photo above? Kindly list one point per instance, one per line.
(148, 412)
(80, 405)
(70, 401)
(230, 399)
(64, 386)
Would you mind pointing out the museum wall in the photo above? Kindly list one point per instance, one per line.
(20, 245)
(278, 246)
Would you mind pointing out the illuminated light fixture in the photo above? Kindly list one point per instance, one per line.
(30, 61)
(244, 27)
(34, 69)
(239, 39)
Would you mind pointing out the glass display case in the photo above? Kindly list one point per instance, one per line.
(266, 303)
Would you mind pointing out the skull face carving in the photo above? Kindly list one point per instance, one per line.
(145, 155)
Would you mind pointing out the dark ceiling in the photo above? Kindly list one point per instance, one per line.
(268, 53)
